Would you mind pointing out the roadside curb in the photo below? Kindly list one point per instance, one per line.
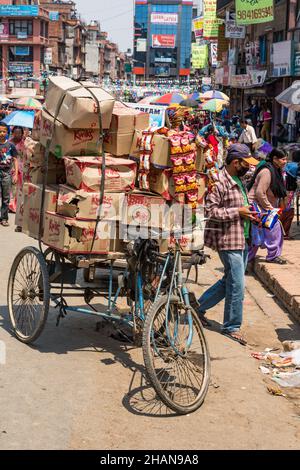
(283, 282)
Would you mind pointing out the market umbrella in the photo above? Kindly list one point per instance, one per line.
(20, 118)
(148, 99)
(215, 94)
(189, 103)
(290, 98)
(170, 98)
(27, 102)
(196, 96)
(5, 100)
(214, 105)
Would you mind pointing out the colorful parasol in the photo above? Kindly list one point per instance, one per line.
(28, 102)
(170, 98)
(20, 118)
(214, 105)
(214, 94)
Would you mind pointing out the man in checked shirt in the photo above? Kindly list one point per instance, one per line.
(228, 231)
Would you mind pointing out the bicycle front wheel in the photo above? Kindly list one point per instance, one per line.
(176, 355)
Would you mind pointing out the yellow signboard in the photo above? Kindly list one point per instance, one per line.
(199, 56)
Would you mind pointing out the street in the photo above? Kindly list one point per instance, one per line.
(77, 388)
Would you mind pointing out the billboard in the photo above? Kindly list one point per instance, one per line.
(157, 113)
(163, 40)
(4, 29)
(252, 12)
(198, 27)
(164, 18)
(281, 58)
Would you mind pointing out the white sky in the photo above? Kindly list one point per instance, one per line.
(115, 16)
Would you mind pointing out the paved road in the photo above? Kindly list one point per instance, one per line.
(77, 388)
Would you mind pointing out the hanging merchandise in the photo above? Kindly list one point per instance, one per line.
(146, 148)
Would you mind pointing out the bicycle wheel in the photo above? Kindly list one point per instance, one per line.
(28, 294)
(176, 355)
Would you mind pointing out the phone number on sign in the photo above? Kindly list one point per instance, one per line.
(255, 14)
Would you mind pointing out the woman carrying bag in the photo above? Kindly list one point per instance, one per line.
(267, 190)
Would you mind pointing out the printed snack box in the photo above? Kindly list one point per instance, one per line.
(65, 141)
(77, 106)
(84, 205)
(144, 209)
(32, 206)
(85, 173)
(73, 236)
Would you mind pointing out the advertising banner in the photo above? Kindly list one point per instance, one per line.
(240, 81)
(234, 31)
(199, 56)
(48, 56)
(210, 9)
(211, 28)
(198, 27)
(252, 12)
(141, 45)
(163, 40)
(296, 59)
(257, 77)
(157, 113)
(164, 18)
(214, 54)
(281, 58)
(53, 15)
(219, 74)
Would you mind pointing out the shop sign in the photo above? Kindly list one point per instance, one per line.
(199, 56)
(163, 40)
(254, 11)
(141, 45)
(281, 58)
(19, 10)
(198, 27)
(53, 15)
(234, 31)
(240, 81)
(48, 56)
(157, 113)
(214, 54)
(20, 68)
(257, 77)
(164, 18)
(22, 50)
(297, 59)
(4, 30)
(210, 9)
(211, 28)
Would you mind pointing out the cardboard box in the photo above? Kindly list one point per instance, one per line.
(85, 173)
(73, 236)
(56, 173)
(144, 209)
(139, 119)
(160, 156)
(36, 131)
(83, 205)
(189, 242)
(34, 154)
(66, 141)
(118, 144)
(20, 208)
(32, 206)
(77, 106)
(161, 182)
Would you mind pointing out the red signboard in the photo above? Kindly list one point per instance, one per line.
(163, 40)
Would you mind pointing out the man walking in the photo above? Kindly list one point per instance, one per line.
(248, 135)
(8, 159)
(227, 231)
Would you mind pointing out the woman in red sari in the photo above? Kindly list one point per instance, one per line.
(17, 139)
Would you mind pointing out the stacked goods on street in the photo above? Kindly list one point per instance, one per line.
(107, 176)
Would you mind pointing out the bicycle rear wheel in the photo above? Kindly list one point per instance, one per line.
(176, 355)
(28, 294)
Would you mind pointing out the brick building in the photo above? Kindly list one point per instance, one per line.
(24, 29)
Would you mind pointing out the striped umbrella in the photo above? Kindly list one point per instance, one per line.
(28, 102)
(215, 95)
(170, 98)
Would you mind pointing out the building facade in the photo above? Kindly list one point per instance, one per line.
(162, 38)
(264, 60)
(24, 31)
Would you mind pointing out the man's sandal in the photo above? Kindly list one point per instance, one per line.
(277, 260)
(235, 336)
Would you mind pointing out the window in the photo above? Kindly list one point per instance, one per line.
(20, 26)
(278, 36)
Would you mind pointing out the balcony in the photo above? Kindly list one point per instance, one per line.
(23, 40)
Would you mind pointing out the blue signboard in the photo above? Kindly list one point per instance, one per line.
(19, 10)
(22, 50)
(53, 15)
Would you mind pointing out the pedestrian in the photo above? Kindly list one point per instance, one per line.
(8, 163)
(228, 232)
(267, 122)
(281, 136)
(292, 183)
(17, 139)
(248, 135)
(267, 189)
(225, 115)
